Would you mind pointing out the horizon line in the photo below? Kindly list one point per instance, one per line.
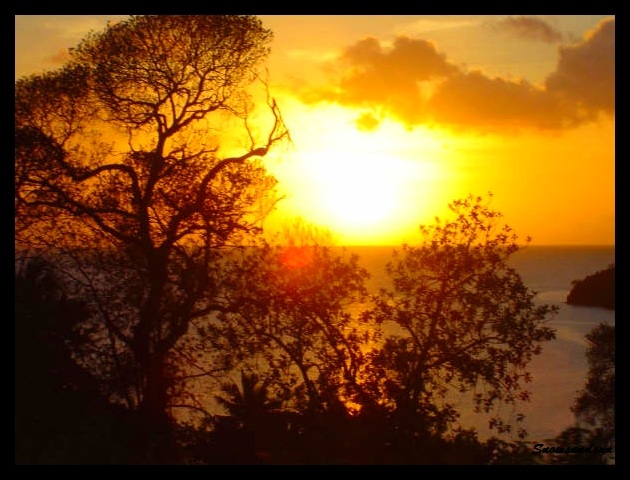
(546, 245)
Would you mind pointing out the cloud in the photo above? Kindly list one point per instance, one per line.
(74, 27)
(586, 70)
(415, 84)
(433, 24)
(386, 79)
(529, 28)
(477, 101)
(367, 122)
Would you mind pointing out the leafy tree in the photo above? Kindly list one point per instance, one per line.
(595, 404)
(295, 325)
(590, 448)
(502, 452)
(249, 402)
(594, 407)
(136, 167)
(460, 319)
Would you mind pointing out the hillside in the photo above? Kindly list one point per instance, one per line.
(596, 290)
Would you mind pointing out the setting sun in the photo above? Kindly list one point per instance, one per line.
(366, 186)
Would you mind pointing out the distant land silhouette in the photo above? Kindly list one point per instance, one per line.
(596, 290)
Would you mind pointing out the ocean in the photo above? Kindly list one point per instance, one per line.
(560, 371)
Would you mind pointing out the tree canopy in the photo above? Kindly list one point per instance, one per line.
(131, 168)
(596, 402)
(463, 319)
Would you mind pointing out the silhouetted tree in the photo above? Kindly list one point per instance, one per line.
(501, 452)
(595, 405)
(130, 170)
(460, 319)
(249, 402)
(61, 414)
(295, 325)
(575, 446)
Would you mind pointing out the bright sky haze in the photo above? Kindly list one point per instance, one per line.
(393, 117)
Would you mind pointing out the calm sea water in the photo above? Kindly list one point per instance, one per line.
(559, 372)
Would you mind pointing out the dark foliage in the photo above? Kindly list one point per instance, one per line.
(594, 407)
(339, 439)
(575, 438)
(60, 415)
(137, 165)
(596, 402)
(465, 321)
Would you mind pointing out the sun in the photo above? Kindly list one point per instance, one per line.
(367, 187)
(355, 189)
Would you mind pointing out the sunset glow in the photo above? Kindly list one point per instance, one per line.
(393, 117)
(364, 186)
(314, 239)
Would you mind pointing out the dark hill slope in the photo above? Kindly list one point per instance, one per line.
(596, 290)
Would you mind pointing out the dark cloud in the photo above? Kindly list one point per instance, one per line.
(387, 78)
(368, 57)
(586, 71)
(415, 84)
(530, 28)
(475, 100)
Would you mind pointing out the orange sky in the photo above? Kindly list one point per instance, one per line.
(392, 117)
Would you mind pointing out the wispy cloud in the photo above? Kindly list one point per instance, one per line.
(424, 25)
(311, 54)
(76, 26)
(527, 27)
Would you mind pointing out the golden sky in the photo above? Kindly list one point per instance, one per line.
(392, 117)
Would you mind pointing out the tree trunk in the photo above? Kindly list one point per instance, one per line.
(155, 437)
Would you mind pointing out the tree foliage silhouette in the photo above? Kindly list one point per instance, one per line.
(594, 406)
(61, 416)
(462, 321)
(372, 383)
(137, 165)
(295, 324)
(248, 402)
(596, 403)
